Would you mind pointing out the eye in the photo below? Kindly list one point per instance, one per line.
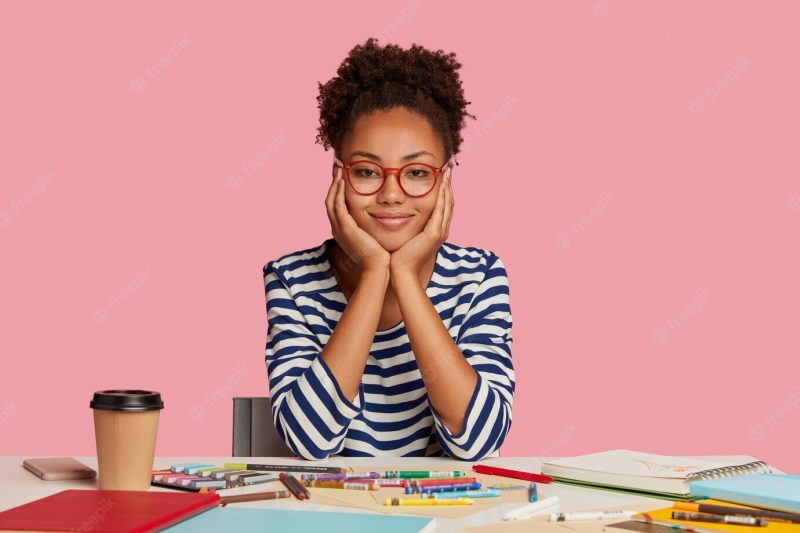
(418, 173)
(365, 173)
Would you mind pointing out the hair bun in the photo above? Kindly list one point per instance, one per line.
(375, 77)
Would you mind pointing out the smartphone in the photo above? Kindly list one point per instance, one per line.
(56, 468)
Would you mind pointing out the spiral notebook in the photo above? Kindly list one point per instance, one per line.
(663, 476)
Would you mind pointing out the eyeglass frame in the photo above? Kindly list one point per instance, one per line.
(396, 171)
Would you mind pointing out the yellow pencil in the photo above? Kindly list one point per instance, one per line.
(428, 501)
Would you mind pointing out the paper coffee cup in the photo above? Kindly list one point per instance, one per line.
(125, 427)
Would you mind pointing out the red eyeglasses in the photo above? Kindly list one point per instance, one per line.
(367, 177)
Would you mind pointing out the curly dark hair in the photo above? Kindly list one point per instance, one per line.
(375, 78)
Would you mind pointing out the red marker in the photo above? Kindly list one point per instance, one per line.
(505, 472)
(439, 481)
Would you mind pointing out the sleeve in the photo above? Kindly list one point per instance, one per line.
(485, 340)
(310, 412)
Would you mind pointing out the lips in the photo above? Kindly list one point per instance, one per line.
(391, 220)
(390, 215)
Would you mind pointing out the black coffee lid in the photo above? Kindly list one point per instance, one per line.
(126, 400)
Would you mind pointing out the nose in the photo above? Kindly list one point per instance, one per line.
(391, 192)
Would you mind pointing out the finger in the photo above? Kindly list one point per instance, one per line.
(438, 210)
(332, 189)
(342, 215)
(330, 206)
(329, 198)
(334, 193)
(449, 203)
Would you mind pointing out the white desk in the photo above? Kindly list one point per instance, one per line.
(19, 486)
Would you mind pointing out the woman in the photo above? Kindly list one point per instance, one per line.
(386, 339)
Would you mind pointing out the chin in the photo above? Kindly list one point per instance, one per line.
(391, 243)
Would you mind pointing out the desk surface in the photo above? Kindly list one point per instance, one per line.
(20, 486)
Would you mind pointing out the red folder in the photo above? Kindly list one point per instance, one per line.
(107, 511)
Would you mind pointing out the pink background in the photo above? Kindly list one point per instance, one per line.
(633, 163)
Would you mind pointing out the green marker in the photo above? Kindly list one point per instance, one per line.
(421, 474)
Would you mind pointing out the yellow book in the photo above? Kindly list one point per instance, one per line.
(664, 517)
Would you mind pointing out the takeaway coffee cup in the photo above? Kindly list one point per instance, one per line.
(125, 426)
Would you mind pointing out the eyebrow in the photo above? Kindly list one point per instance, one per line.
(409, 157)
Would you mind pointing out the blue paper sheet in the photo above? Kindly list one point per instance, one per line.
(241, 520)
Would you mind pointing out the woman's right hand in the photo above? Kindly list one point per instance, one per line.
(360, 246)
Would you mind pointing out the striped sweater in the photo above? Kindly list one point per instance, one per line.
(391, 414)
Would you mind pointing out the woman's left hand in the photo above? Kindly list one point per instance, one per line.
(411, 257)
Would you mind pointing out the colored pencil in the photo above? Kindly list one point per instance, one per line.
(289, 468)
(271, 495)
(297, 488)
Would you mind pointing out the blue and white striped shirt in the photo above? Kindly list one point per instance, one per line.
(391, 414)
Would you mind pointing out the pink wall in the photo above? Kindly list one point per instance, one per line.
(634, 164)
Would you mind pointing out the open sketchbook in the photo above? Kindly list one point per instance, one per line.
(651, 474)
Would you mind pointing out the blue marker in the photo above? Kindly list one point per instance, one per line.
(443, 488)
(533, 492)
(485, 493)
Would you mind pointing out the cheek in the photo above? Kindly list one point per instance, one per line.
(356, 204)
(427, 209)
